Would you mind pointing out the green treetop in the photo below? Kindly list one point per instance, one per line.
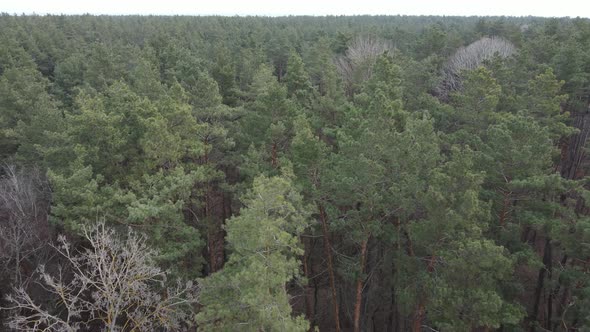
(249, 294)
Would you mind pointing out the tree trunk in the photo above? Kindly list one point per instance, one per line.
(418, 317)
(274, 158)
(359, 287)
(328, 253)
(309, 309)
(394, 316)
(431, 261)
(215, 232)
(553, 326)
(525, 234)
(505, 208)
(210, 230)
(573, 152)
(562, 307)
(393, 324)
(540, 282)
(213, 227)
(555, 293)
(394, 319)
(419, 313)
(550, 297)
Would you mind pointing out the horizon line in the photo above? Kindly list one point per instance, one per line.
(283, 15)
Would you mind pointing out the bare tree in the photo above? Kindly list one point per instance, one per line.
(24, 229)
(471, 57)
(114, 285)
(356, 65)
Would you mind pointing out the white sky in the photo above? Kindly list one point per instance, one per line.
(545, 8)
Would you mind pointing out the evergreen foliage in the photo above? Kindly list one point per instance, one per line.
(360, 173)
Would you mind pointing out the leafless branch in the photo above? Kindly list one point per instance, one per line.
(357, 64)
(24, 203)
(471, 57)
(115, 284)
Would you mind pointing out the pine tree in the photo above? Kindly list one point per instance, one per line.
(297, 80)
(123, 156)
(266, 127)
(543, 101)
(250, 294)
(476, 104)
(311, 157)
(460, 275)
(26, 112)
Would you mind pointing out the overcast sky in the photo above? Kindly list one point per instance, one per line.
(545, 8)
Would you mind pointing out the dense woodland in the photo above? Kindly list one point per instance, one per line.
(383, 173)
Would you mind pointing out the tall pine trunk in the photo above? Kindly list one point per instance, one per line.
(418, 317)
(274, 156)
(561, 305)
(505, 208)
(541, 281)
(359, 287)
(309, 303)
(328, 253)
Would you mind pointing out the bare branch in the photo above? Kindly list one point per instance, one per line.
(115, 284)
(24, 230)
(357, 64)
(471, 57)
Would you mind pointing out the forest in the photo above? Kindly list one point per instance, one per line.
(337, 173)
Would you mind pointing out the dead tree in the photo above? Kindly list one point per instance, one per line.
(24, 229)
(471, 57)
(356, 66)
(114, 285)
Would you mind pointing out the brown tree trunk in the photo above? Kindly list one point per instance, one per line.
(540, 282)
(274, 159)
(215, 237)
(421, 308)
(215, 234)
(328, 253)
(505, 208)
(418, 317)
(550, 297)
(431, 261)
(359, 288)
(211, 230)
(561, 305)
(573, 151)
(309, 310)
(409, 245)
(419, 312)
(525, 234)
(394, 316)
(393, 324)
